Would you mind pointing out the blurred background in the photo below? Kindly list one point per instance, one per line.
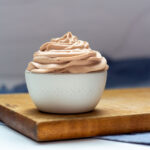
(119, 29)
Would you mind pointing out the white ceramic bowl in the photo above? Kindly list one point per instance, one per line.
(66, 93)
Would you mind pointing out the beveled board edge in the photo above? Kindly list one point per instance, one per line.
(80, 128)
(18, 122)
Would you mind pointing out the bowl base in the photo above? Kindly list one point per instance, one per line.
(65, 113)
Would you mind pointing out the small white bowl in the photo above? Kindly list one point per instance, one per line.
(66, 93)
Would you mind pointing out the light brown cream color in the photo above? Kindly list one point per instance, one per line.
(67, 54)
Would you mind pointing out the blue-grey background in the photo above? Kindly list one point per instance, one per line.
(119, 29)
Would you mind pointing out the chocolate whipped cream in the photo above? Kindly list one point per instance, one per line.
(67, 54)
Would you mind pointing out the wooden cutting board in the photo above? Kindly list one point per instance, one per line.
(119, 111)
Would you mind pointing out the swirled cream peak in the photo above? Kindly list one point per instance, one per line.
(66, 42)
(67, 54)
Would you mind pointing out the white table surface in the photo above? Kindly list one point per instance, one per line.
(12, 140)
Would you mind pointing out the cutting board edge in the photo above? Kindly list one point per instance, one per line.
(19, 122)
(46, 131)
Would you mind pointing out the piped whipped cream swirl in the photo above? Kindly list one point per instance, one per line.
(67, 54)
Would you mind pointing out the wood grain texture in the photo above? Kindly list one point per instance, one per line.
(119, 111)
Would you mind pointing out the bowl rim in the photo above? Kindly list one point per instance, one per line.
(96, 72)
